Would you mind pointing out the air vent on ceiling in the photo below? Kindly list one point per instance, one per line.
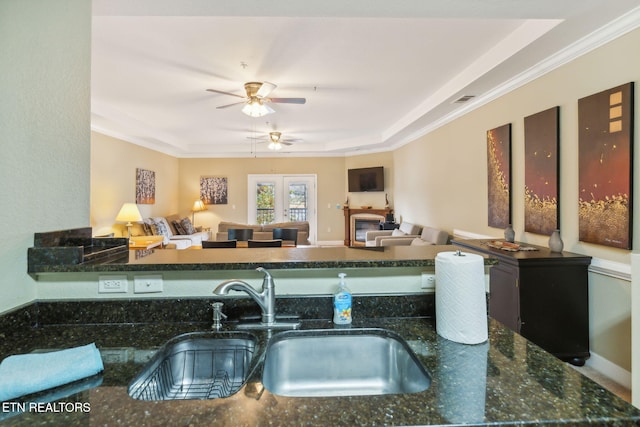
(464, 98)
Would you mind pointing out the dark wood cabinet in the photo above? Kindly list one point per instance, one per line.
(542, 295)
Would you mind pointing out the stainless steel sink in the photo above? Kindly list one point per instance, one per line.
(337, 362)
(196, 366)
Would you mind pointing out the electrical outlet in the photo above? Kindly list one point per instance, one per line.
(112, 284)
(147, 284)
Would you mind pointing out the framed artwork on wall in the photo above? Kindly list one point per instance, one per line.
(499, 176)
(605, 148)
(145, 187)
(541, 172)
(213, 190)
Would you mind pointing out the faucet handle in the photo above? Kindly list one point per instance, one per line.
(267, 282)
(267, 275)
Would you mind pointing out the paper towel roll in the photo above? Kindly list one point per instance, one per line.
(461, 304)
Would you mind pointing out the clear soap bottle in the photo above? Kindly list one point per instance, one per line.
(342, 303)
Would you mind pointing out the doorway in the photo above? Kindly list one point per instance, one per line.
(282, 198)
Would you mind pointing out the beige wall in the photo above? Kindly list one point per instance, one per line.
(113, 179)
(113, 168)
(448, 166)
(44, 129)
(330, 176)
(376, 199)
(114, 163)
(441, 179)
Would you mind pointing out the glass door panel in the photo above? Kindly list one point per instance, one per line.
(282, 198)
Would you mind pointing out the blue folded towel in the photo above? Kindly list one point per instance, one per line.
(29, 373)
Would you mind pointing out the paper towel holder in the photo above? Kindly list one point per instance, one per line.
(459, 253)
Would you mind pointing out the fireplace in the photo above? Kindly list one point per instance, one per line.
(361, 226)
(368, 219)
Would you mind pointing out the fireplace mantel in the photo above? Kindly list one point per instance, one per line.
(349, 212)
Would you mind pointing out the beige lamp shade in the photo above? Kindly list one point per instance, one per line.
(198, 206)
(129, 213)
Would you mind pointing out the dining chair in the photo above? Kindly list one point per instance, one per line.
(241, 234)
(264, 243)
(209, 244)
(288, 234)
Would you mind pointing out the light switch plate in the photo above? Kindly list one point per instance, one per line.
(147, 284)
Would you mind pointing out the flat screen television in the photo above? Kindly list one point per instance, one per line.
(366, 179)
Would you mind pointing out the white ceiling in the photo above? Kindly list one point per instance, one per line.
(376, 73)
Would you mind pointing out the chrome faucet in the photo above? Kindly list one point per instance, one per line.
(266, 299)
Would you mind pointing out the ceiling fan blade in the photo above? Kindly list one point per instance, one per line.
(230, 105)
(261, 138)
(286, 143)
(291, 140)
(288, 100)
(265, 89)
(224, 93)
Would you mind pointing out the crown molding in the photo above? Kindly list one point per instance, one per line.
(603, 35)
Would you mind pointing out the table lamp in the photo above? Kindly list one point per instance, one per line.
(129, 213)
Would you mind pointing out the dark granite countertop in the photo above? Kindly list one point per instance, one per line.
(507, 381)
(250, 258)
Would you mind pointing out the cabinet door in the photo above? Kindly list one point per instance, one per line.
(504, 301)
(555, 308)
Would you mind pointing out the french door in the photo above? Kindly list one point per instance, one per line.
(282, 198)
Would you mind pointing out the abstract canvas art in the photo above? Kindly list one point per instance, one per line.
(213, 190)
(605, 135)
(145, 187)
(499, 176)
(541, 171)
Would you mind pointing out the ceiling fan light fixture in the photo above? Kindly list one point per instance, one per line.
(275, 136)
(256, 108)
(275, 146)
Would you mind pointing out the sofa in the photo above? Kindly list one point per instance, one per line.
(178, 232)
(265, 232)
(407, 234)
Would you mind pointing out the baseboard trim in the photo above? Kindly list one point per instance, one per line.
(610, 370)
(330, 243)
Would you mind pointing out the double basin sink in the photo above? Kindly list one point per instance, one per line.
(300, 363)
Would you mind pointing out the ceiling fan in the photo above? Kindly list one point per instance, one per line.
(256, 100)
(275, 140)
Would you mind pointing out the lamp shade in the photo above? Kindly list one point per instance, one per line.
(129, 213)
(198, 206)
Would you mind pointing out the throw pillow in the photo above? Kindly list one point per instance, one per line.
(397, 233)
(185, 224)
(162, 226)
(178, 226)
(147, 229)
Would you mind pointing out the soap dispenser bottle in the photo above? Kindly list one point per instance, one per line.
(342, 303)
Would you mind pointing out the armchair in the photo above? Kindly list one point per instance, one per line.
(406, 229)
